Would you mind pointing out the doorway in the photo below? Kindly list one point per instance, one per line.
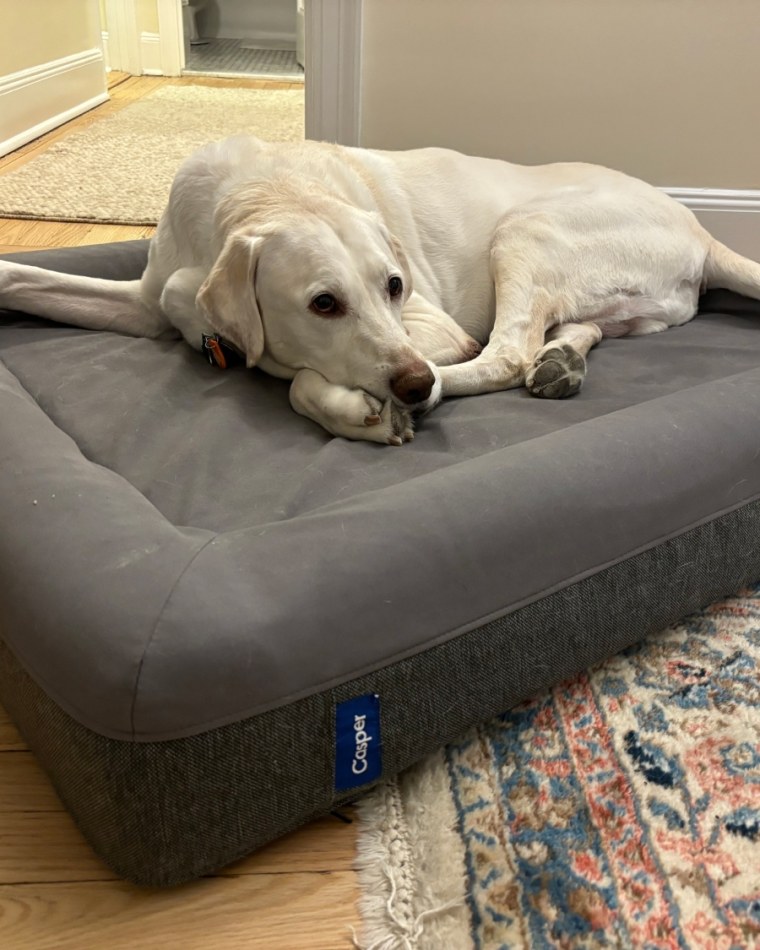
(332, 54)
(261, 39)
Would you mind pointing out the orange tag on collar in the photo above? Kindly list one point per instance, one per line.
(219, 352)
(216, 353)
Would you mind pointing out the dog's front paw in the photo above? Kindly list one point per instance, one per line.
(401, 424)
(349, 413)
(395, 425)
(558, 371)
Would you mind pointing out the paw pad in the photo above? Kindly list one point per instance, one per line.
(557, 372)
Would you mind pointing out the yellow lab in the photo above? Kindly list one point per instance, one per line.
(380, 282)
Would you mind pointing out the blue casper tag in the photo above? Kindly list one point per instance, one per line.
(358, 748)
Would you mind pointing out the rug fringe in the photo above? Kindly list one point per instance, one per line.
(387, 876)
(386, 894)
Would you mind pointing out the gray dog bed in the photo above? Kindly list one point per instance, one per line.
(218, 622)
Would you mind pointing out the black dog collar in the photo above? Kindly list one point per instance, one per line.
(220, 352)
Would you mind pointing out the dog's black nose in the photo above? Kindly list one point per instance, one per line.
(413, 384)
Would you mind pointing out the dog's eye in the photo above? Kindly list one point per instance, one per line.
(325, 303)
(395, 286)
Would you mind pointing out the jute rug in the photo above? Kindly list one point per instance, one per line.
(621, 809)
(120, 168)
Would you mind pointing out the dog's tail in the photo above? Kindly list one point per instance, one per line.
(725, 268)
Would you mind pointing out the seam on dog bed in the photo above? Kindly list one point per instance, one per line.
(148, 642)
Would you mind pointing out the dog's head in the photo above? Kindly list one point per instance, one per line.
(319, 284)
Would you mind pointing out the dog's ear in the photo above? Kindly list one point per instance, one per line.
(228, 295)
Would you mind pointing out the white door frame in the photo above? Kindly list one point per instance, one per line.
(333, 70)
(333, 64)
(171, 37)
(123, 36)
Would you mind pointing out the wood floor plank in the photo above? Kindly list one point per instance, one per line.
(39, 841)
(264, 912)
(18, 248)
(240, 83)
(107, 233)
(20, 234)
(136, 87)
(43, 233)
(45, 847)
(115, 77)
(326, 844)
(10, 740)
(24, 787)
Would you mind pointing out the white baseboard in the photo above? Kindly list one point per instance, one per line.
(34, 101)
(150, 54)
(730, 215)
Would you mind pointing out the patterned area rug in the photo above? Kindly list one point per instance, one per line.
(119, 169)
(621, 809)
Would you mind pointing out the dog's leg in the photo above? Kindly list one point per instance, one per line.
(559, 367)
(87, 302)
(349, 413)
(435, 335)
(178, 303)
(523, 313)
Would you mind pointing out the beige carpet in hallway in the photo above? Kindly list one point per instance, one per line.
(119, 169)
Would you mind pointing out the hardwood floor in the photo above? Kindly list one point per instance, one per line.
(296, 894)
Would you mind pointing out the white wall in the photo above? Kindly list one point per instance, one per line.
(51, 66)
(268, 19)
(38, 32)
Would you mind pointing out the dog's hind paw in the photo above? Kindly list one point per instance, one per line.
(557, 371)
